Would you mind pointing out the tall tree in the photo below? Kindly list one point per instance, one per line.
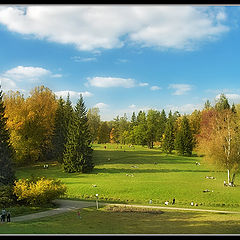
(60, 129)
(7, 175)
(123, 128)
(184, 139)
(104, 133)
(78, 151)
(169, 135)
(93, 122)
(161, 125)
(16, 114)
(219, 140)
(152, 126)
(222, 103)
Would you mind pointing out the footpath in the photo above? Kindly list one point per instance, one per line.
(70, 205)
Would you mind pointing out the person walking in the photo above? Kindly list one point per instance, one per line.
(3, 215)
(8, 216)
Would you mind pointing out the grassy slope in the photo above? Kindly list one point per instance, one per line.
(172, 176)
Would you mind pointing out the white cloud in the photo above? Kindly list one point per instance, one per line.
(186, 108)
(105, 82)
(20, 73)
(93, 27)
(72, 94)
(180, 89)
(143, 84)
(154, 88)
(21, 77)
(7, 84)
(230, 96)
(101, 106)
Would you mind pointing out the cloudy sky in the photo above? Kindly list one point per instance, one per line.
(123, 58)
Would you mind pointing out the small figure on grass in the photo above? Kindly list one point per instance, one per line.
(79, 215)
(173, 201)
(3, 215)
(8, 216)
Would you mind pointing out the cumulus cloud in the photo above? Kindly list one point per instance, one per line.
(105, 82)
(72, 94)
(20, 73)
(101, 106)
(11, 78)
(106, 27)
(180, 89)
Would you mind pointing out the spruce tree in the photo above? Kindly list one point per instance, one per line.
(7, 176)
(169, 136)
(60, 131)
(78, 152)
(184, 138)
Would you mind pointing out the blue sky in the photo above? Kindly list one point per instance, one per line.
(123, 58)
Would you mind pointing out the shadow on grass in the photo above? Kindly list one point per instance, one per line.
(139, 157)
(179, 222)
(127, 170)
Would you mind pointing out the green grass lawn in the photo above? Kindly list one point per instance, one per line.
(127, 175)
(140, 174)
(103, 221)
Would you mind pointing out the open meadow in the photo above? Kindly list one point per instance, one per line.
(136, 175)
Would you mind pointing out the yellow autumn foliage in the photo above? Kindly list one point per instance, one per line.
(39, 191)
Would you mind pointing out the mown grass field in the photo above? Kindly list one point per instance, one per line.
(124, 174)
(103, 221)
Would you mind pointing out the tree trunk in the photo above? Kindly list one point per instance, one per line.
(229, 176)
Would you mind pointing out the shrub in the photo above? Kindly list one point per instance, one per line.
(38, 191)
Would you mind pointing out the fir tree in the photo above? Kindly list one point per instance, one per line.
(222, 103)
(78, 152)
(169, 137)
(60, 130)
(7, 176)
(184, 138)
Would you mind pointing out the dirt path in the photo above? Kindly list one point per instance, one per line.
(64, 206)
(69, 205)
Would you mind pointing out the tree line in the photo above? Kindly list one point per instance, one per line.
(43, 127)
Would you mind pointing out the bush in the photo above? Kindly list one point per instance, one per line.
(38, 191)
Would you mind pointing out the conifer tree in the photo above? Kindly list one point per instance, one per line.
(7, 176)
(169, 136)
(184, 138)
(60, 130)
(78, 152)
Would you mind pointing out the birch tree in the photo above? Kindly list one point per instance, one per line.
(219, 140)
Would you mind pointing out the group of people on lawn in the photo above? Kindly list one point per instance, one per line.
(5, 214)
